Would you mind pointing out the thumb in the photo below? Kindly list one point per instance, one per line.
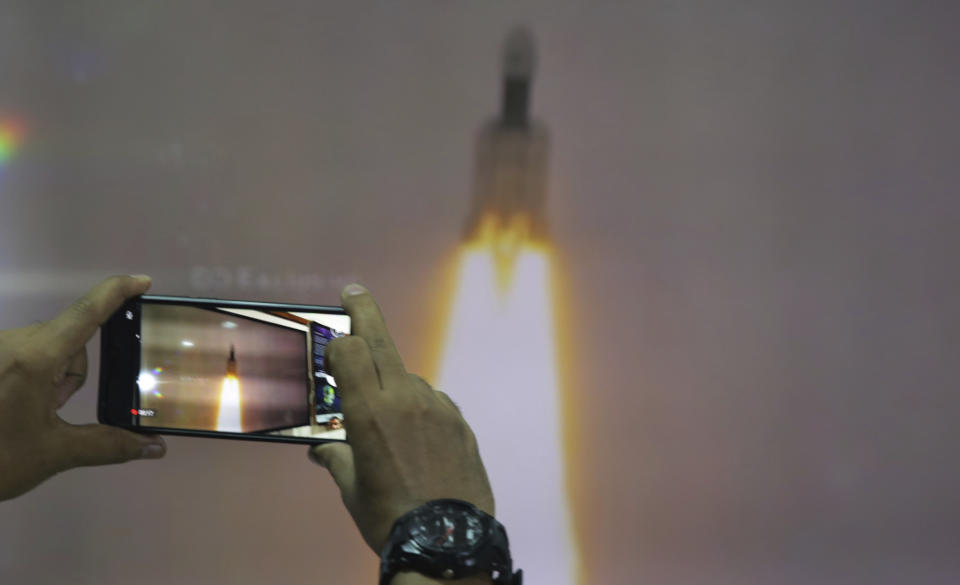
(338, 459)
(85, 445)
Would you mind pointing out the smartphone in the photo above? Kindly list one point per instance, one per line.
(221, 368)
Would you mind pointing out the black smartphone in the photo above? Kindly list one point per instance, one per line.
(221, 368)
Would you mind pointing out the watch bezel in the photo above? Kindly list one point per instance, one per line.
(440, 508)
(490, 555)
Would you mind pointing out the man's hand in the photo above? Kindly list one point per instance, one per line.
(41, 366)
(408, 443)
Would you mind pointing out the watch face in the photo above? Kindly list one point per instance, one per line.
(447, 528)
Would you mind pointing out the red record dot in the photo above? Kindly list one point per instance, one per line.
(133, 411)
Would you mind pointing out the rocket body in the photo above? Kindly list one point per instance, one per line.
(232, 363)
(510, 185)
(510, 181)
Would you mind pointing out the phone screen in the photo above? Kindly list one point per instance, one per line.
(227, 368)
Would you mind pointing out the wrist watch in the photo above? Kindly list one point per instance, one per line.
(448, 539)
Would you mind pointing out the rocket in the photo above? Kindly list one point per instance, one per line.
(510, 181)
(507, 282)
(232, 363)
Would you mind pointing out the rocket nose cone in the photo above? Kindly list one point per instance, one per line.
(519, 53)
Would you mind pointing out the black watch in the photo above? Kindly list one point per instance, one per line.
(448, 539)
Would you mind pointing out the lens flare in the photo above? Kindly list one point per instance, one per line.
(146, 381)
(11, 136)
(229, 413)
(500, 364)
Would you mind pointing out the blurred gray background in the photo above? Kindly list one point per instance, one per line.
(755, 204)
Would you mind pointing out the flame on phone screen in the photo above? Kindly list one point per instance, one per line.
(229, 414)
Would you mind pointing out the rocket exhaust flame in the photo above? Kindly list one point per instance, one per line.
(500, 365)
(229, 412)
(505, 241)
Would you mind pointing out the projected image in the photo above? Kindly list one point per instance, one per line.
(238, 370)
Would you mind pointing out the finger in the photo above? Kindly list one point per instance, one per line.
(71, 378)
(420, 381)
(367, 322)
(447, 400)
(338, 459)
(12, 340)
(429, 389)
(71, 330)
(86, 445)
(350, 362)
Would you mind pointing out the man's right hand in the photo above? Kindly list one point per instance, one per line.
(408, 443)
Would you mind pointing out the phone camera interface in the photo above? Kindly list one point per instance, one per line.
(238, 370)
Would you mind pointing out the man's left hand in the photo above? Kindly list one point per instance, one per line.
(41, 366)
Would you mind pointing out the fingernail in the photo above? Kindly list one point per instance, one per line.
(152, 451)
(354, 289)
(143, 278)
